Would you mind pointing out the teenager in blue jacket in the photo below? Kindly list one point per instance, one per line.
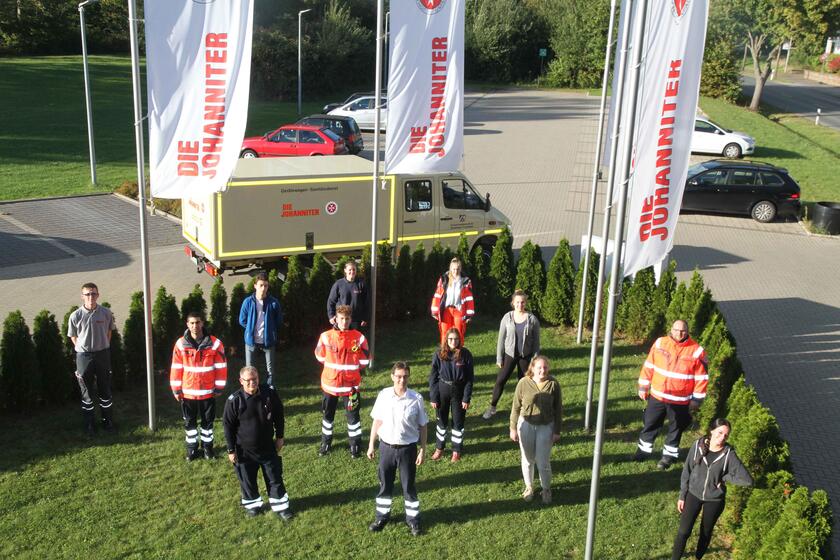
(261, 317)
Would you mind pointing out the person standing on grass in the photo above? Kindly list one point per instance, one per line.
(399, 419)
(535, 423)
(254, 430)
(261, 316)
(90, 328)
(673, 383)
(450, 388)
(710, 464)
(519, 340)
(198, 375)
(453, 304)
(350, 290)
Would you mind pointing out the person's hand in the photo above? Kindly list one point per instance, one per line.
(332, 320)
(232, 457)
(680, 505)
(279, 443)
(371, 452)
(514, 436)
(643, 396)
(179, 398)
(465, 405)
(363, 323)
(420, 454)
(499, 365)
(555, 438)
(434, 405)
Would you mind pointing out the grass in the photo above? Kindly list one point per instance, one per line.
(808, 152)
(133, 496)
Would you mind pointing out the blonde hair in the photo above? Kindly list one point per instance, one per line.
(535, 359)
(516, 294)
(455, 260)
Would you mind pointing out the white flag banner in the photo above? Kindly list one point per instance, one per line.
(198, 67)
(675, 35)
(425, 86)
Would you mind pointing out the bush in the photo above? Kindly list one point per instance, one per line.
(295, 300)
(69, 350)
(436, 265)
(134, 341)
(118, 368)
(338, 273)
(578, 40)
(693, 294)
(700, 314)
(56, 378)
(364, 269)
(218, 324)
(557, 304)
(20, 378)
(724, 369)
(761, 514)
(639, 318)
(275, 284)
(530, 275)
(237, 334)
(320, 282)
(273, 64)
(662, 296)
(674, 312)
(194, 303)
(592, 285)
(385, 288)
(463, 254)
(833, 65)
(793, 537)
(502, 271)
(419, 301)
(167, 327)
(402, 279)
(721, 71)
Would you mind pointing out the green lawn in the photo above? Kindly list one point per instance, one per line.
(809, 152)
(134, 496)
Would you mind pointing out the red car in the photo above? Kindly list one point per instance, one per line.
(294, 140)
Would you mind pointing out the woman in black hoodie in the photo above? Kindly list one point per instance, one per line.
(710, 464)
(450, 387)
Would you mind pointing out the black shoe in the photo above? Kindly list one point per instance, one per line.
(664, 463)
(377, 525)
(208, 452)
(355, 451)
(192, 455)
(108, 425)
(253, 512)
(285, 514)
(640, 456)
(324, 449)
(414, 528)
(90, 430)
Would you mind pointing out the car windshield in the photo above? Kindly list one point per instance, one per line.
(699, 168)
(723, 128)
(330, 134)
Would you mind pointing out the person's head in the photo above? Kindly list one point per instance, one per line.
(261, 285)
(718, 432)
(90, 294)
(343, 317)
(451, 343)
(519, 301)
(454, 268)
(538, 369)
(399, 375)
(195, 324)
(679, 330)
(350, 271)
(249, 378)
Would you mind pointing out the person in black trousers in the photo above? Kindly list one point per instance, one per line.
(450, 388)
(254, 428)
(710, 464)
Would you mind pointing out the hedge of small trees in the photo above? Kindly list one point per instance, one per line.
(772, 520)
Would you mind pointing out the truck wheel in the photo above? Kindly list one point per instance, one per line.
(486, 244)
(248, 154)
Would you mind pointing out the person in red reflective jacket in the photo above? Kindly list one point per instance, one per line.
(344, 353)
(453, 304)
(198, 374)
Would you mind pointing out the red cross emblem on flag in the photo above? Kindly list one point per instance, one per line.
(331, 208)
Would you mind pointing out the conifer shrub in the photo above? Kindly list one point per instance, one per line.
(530, 275)
(236, 341)
(557, 304)
(638, 314)
(419, 300)
(503, 271)
(700, 314)
(218, 324)
(338, 273)
(294, 300)
(134, 342)
(275, 283)
(118, 368)
(463, 253)
(194, 303)
(761, 514)
(364, 265)
(692, 295)
(20, 377)
(674, 312)
(320, 281)
(56, 378)
(484, 285)
(69, 350)
(724, 369)
(385, 285)
(591, 287)
(167, 328)
(794, 536)
(436, 263)
(662, 296)
(402, 280)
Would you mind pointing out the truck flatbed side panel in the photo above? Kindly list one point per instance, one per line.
(263, 218)
(292, 167)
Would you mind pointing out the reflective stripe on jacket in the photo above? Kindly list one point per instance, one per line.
(674, 372)
(467, 305)
(199, 368)
(344, 355)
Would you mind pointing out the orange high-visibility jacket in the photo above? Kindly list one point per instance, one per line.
(674, 372)
(344, 355)
(467, 305)
(198, 368)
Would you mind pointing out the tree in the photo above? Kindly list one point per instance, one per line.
(578, 41)
(463, 254)
(484, 290)
(167, 327)
(237, 333)
(675, 307)
(365, 265)
(69, 350)
(662, 296)
(591, 288)
(134, 340)
(320, 282)
(530, 275)
(56, 377)
(639, 318)
(419, 274)
(502, 270)
(218, 324)
(402, 279)
(557, 304)
(385, 282)
(20, 377)
(194, 303)
(294, 299)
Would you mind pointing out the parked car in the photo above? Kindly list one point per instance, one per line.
(330, 106)
(345, 127)
(711, 138)
(294, 140)
(760, 190)
(363, 110)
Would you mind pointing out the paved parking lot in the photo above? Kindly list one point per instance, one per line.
(532, 151)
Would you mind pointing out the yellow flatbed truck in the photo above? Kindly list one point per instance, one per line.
(273, 208)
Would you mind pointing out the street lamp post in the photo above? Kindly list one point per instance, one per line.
(91, 148)
(300, 59)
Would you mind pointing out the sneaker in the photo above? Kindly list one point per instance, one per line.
(253, 512)
(285, 515)
(437, 454)
(664, 463)
(528, 494)
(324, 449)
(489, 413)
(546, 495)
(640, 455)
(355, 451)
(192, 455)
(456, 456)
(377, 525)
(208, 453)
(414, 528)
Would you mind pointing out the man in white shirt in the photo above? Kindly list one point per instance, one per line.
(399, 419)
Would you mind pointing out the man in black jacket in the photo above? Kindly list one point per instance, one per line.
(254, 425)
(350, 290)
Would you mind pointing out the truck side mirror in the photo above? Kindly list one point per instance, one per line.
(487, 202)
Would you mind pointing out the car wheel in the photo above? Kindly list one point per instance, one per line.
(732, 151)
(763, 211)
(248, 154)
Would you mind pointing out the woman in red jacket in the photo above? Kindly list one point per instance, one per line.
(452, 304)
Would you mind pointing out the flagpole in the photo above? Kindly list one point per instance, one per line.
(616, 273)
(375, 190)
(141, 187)
(595, 175)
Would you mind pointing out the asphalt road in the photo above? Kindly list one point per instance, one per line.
(794, 94)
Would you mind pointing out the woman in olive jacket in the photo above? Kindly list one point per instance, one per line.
(710, 464)
(450, 388)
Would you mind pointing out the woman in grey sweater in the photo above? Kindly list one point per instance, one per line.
(710, 464)
(519, 341)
